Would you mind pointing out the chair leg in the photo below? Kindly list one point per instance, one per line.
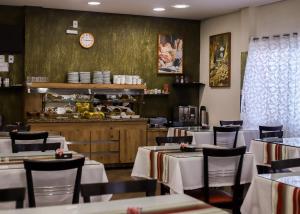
(164, 189)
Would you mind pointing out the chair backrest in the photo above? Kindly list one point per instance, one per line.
(145, 185)
(13, 194)
(213, 152)
(270, 131)
(26, 136)
(16, 127)
(234, 130)
(284, 164)
(178, 140)
(231, 122)
(53, 165)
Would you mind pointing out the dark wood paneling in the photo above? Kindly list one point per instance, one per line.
(11, 101)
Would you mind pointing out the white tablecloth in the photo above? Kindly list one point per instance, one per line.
(149, 204)
(259, 196)
(5, 143)
(13, 175)
(257, 148)
(185, 172)
(207, 136)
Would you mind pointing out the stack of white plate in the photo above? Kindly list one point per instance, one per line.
(98, 77)
(106, 77)
(73, 77)
(85, 77)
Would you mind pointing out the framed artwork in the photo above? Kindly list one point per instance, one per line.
(219, 60)
(170, 54)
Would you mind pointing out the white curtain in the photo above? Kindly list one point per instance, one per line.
(271, 89)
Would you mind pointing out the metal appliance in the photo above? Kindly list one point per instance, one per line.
(203, 116)
(186, 116)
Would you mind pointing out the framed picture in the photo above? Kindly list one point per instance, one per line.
(170, 54)
(219, 60)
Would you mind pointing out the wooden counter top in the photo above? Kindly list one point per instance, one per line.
(84, 86)
(46, 120)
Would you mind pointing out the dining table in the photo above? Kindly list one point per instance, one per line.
(272, 149)
(206, 136)
(184, 170)
(273, 193)
(179, 203)
(51, 188)
(6, 148)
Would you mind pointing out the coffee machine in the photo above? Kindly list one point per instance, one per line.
(186, 116)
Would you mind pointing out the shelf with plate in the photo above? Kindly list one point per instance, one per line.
(13, 87)
(85, 88)
(72, 95)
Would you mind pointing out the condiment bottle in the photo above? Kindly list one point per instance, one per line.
(181, 79)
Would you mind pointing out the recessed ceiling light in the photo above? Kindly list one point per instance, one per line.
(94, 3)
(181, 6)
(159, 9)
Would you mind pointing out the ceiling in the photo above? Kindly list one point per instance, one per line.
(199, 9)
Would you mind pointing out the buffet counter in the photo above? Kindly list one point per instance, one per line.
(81, 120)
(109, 141)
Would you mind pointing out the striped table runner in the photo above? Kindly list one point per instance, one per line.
(200, 208)
(159, 164)
(273, 152)
(285, 198)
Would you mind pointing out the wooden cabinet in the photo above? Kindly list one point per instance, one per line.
(108, 142)
(131, 137)
(152, 133)
(105, 144)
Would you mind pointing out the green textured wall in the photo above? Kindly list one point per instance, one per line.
(124, 44)
(11, 100)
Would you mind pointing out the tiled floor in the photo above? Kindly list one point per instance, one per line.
(123, 175)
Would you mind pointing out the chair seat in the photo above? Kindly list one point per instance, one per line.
(216, 196)
(219, 196)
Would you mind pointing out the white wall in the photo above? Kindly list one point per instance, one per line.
(278, 18)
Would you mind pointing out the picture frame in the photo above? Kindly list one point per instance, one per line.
(170, 54)
(220, 60)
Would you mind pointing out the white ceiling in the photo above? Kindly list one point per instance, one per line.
(199, 9)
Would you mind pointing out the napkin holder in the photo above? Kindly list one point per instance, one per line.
(65, 155)
(187, 148)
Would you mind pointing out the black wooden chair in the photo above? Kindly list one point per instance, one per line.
(283, 165)
(144, 185)
(26, 136)
(216, 196)
(54, 165)
(13, 194)
(178, 140)
(231, 122)
(16, 127)
(233, 130)
(270, 131)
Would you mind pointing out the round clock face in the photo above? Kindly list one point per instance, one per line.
(86, 40)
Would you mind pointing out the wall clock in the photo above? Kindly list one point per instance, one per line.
(86, 40)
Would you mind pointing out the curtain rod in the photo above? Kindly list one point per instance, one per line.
(274, 36)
